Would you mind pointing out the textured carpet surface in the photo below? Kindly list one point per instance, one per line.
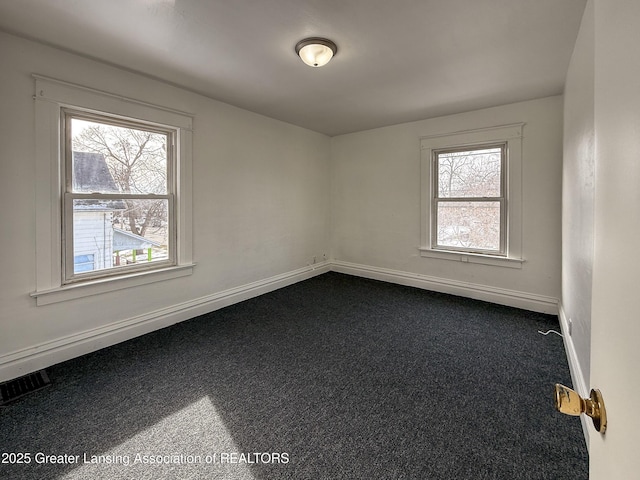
(335, 377)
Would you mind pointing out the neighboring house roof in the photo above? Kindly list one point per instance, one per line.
(91, 175)
(130, 241)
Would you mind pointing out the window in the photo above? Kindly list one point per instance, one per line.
(469, 204)
(113, 194)
(119, 196)
(471, 198)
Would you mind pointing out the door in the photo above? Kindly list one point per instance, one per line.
(615, 321)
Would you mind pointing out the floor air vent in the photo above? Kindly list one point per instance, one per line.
(14, 389)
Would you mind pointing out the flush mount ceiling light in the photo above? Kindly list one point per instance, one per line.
(316, 51)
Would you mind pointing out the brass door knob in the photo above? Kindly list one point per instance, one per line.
(570, 403)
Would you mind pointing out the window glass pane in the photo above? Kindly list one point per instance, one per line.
(112, 159)
(115, 233)
(83, 263)
(474, 173)
(469, 225)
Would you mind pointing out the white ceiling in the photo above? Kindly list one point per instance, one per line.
(397, 60)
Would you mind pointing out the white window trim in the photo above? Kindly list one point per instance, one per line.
(51, 96)
(69, 196)
(512, 136)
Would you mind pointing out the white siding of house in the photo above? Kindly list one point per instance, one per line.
(93, 235)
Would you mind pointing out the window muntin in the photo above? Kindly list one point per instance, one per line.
(119, 195)
(469, 199)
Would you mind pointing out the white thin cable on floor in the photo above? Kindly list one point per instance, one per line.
(548, 332)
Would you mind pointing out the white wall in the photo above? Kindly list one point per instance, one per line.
(260, 212)
(375, 184)
(578, 202)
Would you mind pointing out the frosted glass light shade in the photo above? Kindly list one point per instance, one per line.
(316, 52)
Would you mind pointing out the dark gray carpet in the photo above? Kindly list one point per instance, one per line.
(342, 377)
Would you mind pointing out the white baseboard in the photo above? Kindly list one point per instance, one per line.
(577, 377)
(502, 296)
(49, 353)
(24, 361)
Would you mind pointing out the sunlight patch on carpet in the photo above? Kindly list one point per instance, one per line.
(190, 443)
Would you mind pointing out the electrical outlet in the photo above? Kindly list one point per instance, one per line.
(314, 259)
(570, 326)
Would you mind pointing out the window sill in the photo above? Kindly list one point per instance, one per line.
(464, 257)
(104, 285)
